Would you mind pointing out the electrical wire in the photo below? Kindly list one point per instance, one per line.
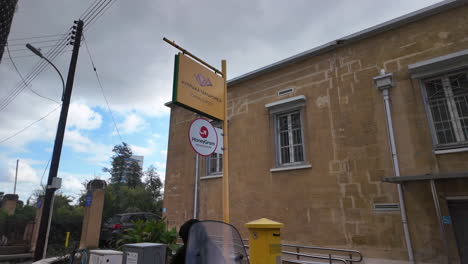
(40, 66)
(21, 76)
(33, 42)
(92, 13)
(45, 169)
(48, 36)
(95, 18)
(102, 89)
(25, 56)
(38, 47)
(28, 126)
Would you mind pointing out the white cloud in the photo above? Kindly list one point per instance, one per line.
(144, 151)
(133, 123)
(83, 117)
(164, 154)
(25, 172)
(99, 152)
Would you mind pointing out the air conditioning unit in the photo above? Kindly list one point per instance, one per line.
(101, 256)
(144, 253)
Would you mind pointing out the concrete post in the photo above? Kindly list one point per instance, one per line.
(94, 204)
(37, 219)
(9, 203)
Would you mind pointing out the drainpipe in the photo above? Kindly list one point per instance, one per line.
(384, 82)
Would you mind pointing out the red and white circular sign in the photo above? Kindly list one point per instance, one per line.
(203, 137)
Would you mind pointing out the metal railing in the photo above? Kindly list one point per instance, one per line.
(347, 256)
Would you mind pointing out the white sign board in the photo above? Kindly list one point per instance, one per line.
(219, 149)
(203, 137)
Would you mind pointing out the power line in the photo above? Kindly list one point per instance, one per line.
(102, 89)
(38, 47)
(21, 76)
(28, 126)
(33, 42)
(25, 56)
(45, 169)
(48, 36)
(92, 13)
(103, 10)
(37, 69)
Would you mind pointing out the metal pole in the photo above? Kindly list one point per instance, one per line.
(225, 150)
(396, 169)
(195, 198)
(193, 56)
(49, 193)
(16, 176)
(439, 216)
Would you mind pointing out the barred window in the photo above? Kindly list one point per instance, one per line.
(289, 138)
(447, 101)
(214, 164)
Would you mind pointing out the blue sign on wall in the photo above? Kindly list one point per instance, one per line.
(88, 200)
(446, 219)
(39, 203)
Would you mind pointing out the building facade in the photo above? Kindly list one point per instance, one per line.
(309, 144)
(7, 11)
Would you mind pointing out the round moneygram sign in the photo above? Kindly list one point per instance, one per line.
(203, 137)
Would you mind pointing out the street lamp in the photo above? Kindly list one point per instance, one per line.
(39, 53)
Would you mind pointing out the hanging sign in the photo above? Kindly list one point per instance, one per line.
(203, 137)
(197, 88)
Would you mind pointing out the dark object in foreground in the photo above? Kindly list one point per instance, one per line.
(212, 242)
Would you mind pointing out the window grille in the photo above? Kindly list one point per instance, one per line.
(447, 101)
(289, 137)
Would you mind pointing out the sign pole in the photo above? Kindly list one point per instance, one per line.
(226, 149)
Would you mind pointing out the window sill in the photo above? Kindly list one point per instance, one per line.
(297, 167)
(211, 177)
(448, 151)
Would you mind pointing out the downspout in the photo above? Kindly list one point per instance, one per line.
(384, 82)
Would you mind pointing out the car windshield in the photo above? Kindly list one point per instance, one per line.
(114, 220)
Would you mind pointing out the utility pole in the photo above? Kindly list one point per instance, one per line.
(44, 227)
(16, 176)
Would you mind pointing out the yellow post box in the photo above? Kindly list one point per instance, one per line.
(264, 241)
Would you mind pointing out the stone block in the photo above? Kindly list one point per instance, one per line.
(347, 202)
(351, 189)
(353, 215)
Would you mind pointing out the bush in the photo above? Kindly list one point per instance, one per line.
(150, 231)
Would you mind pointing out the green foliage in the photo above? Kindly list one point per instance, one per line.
(153, 183)
(150, 231)
(66, 218)
(120, 198)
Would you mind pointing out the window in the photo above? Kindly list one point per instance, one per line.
(289, 138)
(447, 102)
(287, 117)
(214, 164)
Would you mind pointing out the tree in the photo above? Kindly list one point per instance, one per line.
(123, 168)
(153, 182)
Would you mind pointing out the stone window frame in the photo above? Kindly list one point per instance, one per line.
(441, 68)
(284, 107)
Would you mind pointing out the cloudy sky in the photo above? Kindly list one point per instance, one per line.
(136, 67)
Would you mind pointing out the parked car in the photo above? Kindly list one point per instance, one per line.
(113, 227)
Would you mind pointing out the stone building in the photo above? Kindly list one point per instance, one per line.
(310, 147)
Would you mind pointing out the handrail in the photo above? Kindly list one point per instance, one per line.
(350, 251)
(329, 258)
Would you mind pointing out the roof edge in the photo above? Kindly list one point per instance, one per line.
(363, 34)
